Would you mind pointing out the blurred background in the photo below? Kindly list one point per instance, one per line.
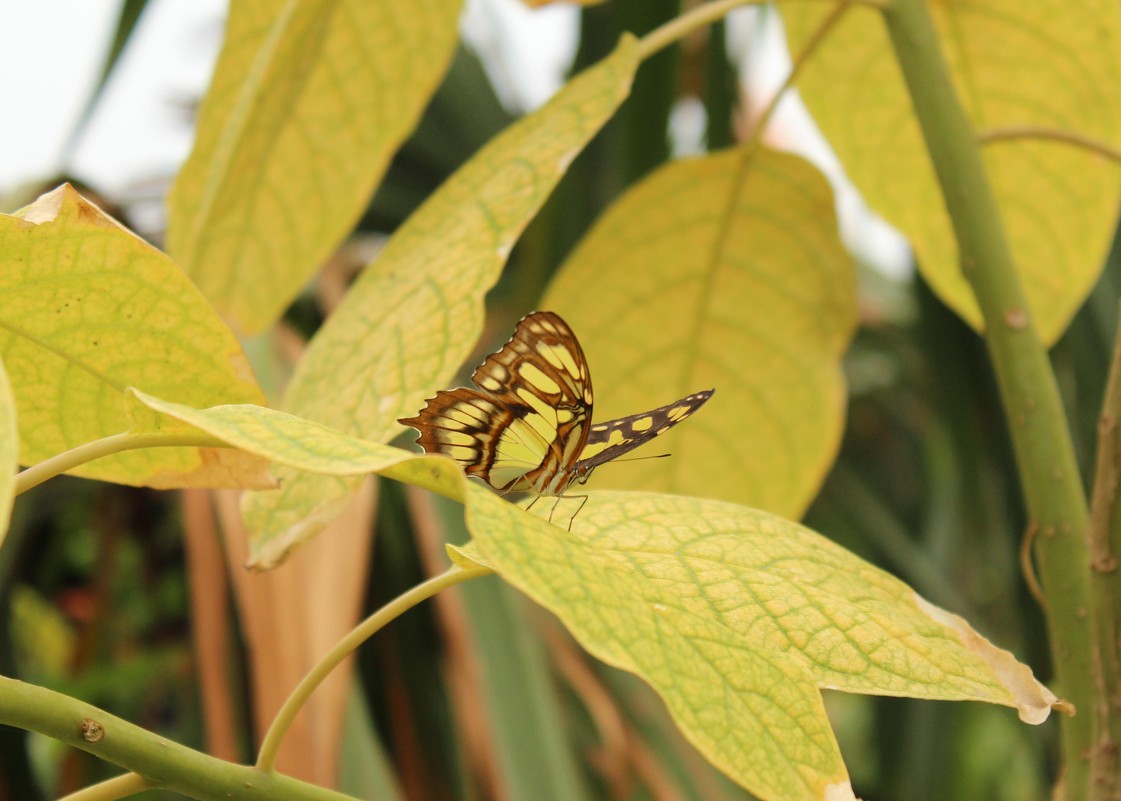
(134, 600)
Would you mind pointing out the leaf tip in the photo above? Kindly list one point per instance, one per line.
(1033, 701)
(839, 791)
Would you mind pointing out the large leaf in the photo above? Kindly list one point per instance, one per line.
(309, 100)
(9, 451)
(89, 310)
(736, 617)
(1048, 64)
(724, 271)
(410, 320)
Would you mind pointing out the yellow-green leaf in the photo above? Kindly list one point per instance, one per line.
(410, 320)
(724, 271)
(89, 310)
(9, 451)
(309, 100)
(306, 446)
(737, 618)
(1048, 64)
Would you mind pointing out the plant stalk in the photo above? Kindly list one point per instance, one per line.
(162, 763)
(1105, 593)
(123, 786)
(706, 14)
(1056, 503)
(270, 745)
(106, 446)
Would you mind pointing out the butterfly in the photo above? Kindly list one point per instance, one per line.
(527, 426)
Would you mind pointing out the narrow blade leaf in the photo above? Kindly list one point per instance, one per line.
(410, 320)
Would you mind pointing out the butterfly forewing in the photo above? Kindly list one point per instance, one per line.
(610, 440)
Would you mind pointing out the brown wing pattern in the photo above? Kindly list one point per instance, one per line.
(610, 440)
(527, 426)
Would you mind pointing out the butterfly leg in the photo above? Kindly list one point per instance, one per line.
(583, 500)
(556, 503)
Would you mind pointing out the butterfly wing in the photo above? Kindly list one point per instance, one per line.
(610, 440)
(527, 426)
(489, 438)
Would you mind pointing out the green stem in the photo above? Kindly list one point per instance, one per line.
(1044, 452)
(797, 64)
(1105, 588)
(106, 446)
(266, 760)
(162, 763)
(706, 14)
(123, 786)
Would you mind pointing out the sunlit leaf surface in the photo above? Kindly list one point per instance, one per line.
(9, 451)
(1047, 64)
(724, 271)
(309, 101)
(736, 617)
(410, 320)
(89, 310)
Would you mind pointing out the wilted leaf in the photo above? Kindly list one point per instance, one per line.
(1053, 65)
(409, 321)
(309, 101)
(91, 309)
(9, 451)
(724, 271)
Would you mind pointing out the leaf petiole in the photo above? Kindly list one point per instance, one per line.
(266, 760)
(106, 446)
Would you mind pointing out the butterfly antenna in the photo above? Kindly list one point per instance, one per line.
(635, 459)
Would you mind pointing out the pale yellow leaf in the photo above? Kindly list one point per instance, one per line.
(1048, 64)
(736, 617)
(309, 100)
(9, 451)
(412, 317)
(89, 310)
(303, 445)
(724, 271)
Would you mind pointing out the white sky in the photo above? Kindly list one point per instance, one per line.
(51, 53)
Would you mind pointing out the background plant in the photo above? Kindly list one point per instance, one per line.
(908, 417)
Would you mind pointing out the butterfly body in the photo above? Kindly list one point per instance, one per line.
(527, 426)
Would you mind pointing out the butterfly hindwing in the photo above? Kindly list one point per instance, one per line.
(489, 438)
